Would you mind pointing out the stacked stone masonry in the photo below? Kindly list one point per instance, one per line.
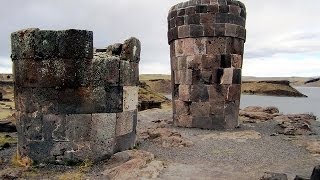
(206, 40)
(74, 104)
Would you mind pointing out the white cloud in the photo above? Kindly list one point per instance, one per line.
(286, 27)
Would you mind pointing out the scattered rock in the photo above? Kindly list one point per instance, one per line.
(253, 114)
(165, 137)
(133, 164)
(315, 173)
(11, 174)
(297, 124)
(274, 176)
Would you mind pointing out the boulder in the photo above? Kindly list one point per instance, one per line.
(295, 124)
(274, 176)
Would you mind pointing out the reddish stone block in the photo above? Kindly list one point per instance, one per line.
(174, 63)
(213, 7)
(200, 46)
(193, 19)
(200, 109)
(188, 47)
(182, 108)
(216, 46)
(183, 121)
(186, 76)
(217, 106)
(184, 92)
(236, 61)
(234, 46)
(190, 10)
(208, 29)
(233, 9)
(194, 62)
(217, 93)
(182, 62)
(233, 92)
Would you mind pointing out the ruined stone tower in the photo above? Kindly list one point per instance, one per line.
(206, 40)
(73, 104)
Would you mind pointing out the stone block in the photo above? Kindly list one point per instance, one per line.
(196, 30)
(130, 98)
(224, 9)
(75, 44)
(181, 108)
(47, 44)
(231, 30)
(103, 127)
(194, 62)
(183, 121)
(216, 46)
(202, 122)
(232, 114)
(226, 61)
(201, 9)
(217, 106)
(233, 9)
(131, 50)
(200, 46)
(227, 77)
(180, 21)
(200, 109)
(125, 142)
(124, 123)
(172, 23)
(233, 92)
(236, 61)
(129, 73)
(55, 127)
(220, 29)
(218, 122)
(208, 29)
(236, 79)
(78, 127)
(30, 100)
(75, 101)
(213, 8)
(183, 31)
(22, 44)
(209, 62)
(181, 12)
(184, 92)
(114, 99)
(190, 10)
(105, 71)
(217, 93)
(182, 62)
(32, 126)
(207, 18)
(102, 150)
(188, 47)
(199, 93)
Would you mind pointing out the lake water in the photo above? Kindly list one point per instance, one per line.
(288, 104)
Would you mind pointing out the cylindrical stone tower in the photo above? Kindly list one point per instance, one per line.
(73, 105)
(206, 40)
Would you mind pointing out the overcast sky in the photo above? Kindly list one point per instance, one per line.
(283, 36)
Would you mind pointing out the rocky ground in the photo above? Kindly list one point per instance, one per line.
(259, 145)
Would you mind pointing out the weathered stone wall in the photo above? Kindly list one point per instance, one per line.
(206, 40)
(73, 104)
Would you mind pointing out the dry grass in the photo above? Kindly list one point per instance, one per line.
(4, 139)
(71, 176)
(19, 161)
(145, 77)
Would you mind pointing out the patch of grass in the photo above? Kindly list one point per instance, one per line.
(145, 77)
(19, 161)
(7, 139)
(86, 165)
(71, 176)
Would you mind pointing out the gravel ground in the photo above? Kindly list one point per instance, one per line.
(225, 157)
